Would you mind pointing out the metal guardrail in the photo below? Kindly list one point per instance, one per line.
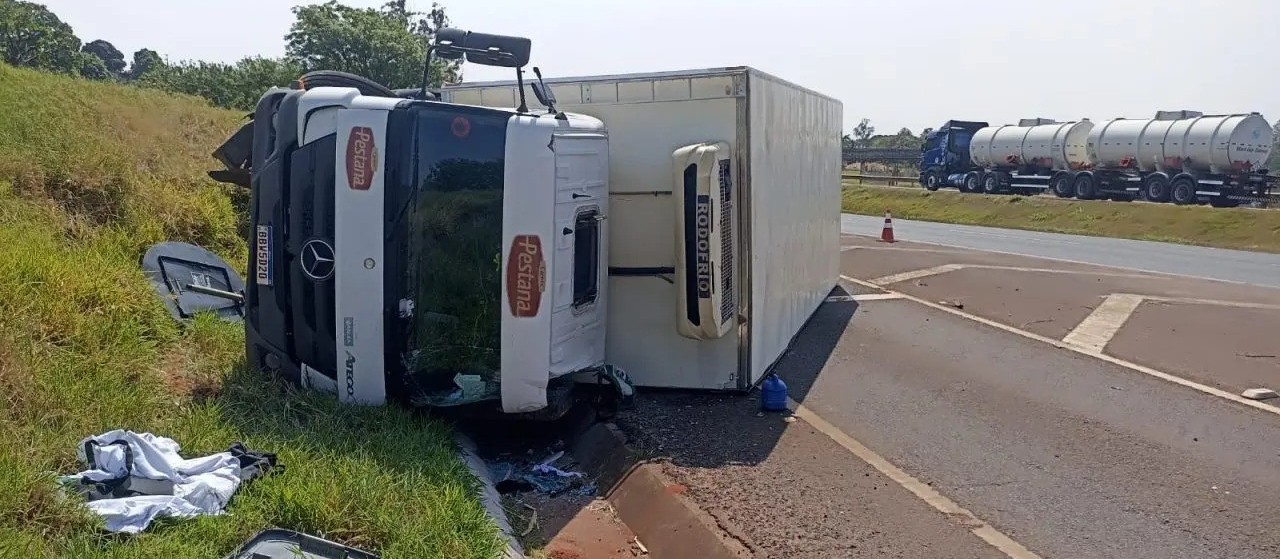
(884, 180)
(857, 155)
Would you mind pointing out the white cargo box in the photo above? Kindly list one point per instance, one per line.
(724, 228)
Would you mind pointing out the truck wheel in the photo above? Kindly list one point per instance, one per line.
(1156, 189)
(991, 183)
(972, 183)
(932, 181)
(1183, 191)
(1061, 185)
(1085, 186)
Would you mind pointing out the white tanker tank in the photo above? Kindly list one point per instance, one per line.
(1176, 141)
(1039, 143)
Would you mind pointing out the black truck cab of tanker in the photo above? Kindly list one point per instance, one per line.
(944, 156)
(408, 249)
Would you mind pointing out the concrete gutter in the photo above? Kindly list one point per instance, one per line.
(655, 509)
(489, 496)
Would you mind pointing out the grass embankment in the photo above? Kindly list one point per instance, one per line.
(1237, 228)
(90, 175)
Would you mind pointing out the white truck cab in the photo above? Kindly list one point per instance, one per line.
(419, 250)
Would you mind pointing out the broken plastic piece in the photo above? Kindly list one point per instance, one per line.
(191, 280)
(287, 544)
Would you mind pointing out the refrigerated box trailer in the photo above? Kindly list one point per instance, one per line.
(724, 215)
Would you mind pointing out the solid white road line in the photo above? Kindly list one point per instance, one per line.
(1073, 261)
(1216, 302)
(936, 270)
(1095, 354)
(863, 297)
(920, 489)
(916, 274)
(1096, 330)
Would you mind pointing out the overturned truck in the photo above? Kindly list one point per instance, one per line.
(454, 247)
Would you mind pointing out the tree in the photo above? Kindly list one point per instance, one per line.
(144, 61)
(111, 57)
(233, 86)
(1273, 162)
(925, 133)
(92, 67)
(863, 132)
(32, 36)
(387, 45)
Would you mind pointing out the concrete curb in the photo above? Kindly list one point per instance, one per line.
(655, 509)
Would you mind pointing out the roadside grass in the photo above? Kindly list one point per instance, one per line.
(1236, 228)
(90, 175)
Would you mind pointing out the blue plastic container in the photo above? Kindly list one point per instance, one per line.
(773, 394)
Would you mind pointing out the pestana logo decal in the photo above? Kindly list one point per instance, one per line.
(362, 158)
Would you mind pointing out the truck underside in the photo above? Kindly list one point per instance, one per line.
(1182, 188)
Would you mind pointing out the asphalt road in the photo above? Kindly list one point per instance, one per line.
(1069, 456)
(1222, 264)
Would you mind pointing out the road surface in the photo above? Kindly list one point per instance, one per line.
(1038, 421)
(1228, 265)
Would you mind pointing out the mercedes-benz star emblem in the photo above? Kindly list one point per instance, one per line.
(317, 260)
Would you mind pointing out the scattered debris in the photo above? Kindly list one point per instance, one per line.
(1260, 394)
(921, 283)
(1257, 355)
(789, 419)
(643, 550)
(957, 305)
(134, 478)
(515, 476)
(1026, 324)
(533, 520)
(1116, 388)
(469, 389)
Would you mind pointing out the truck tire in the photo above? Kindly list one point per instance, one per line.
(332, 78)
(972, 182)
(1086, 186)
(932, 181)
(1062, 185)
(1156, 188)
(1183, 191)
(991, 183)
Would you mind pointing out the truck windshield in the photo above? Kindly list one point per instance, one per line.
(444, 246)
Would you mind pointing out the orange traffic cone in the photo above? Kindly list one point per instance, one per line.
(886, 234)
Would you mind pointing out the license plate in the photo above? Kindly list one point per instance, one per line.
(262, 261)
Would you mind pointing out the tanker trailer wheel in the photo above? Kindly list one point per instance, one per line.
(972, 182)
(991, 183)
(1183, 191)
(1061, 185)
(1086, 186)
(1156, 188)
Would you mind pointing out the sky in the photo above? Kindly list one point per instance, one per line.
(899, 63)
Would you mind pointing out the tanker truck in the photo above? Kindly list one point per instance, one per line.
(1181, 156)
(1033, 156)
(1185, 157)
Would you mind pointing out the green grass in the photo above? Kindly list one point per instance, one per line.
(1237, 228)
(90, 175)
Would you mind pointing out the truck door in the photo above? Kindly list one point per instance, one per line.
(579, 277)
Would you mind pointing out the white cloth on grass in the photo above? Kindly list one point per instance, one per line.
(201, 485)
